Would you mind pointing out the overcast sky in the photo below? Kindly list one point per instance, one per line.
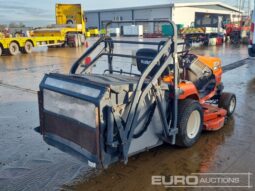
(41, 12)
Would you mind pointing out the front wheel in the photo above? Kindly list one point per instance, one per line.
(190, 122)
(227, 101)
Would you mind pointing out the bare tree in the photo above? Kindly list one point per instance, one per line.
(2, 27)
(16, 25)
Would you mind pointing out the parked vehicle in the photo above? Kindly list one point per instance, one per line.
(205, 35)
(70, 25)
(93, 31)
(110, 114)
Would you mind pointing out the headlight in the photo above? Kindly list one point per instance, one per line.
(216, 65)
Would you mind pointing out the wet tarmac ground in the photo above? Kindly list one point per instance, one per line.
(28, 163)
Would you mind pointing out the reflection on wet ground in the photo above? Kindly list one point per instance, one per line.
(167, 161)
(27, 163)
(228, 53)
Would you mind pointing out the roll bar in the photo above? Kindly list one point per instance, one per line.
(129, 128)
(140, 94)
(106, 38)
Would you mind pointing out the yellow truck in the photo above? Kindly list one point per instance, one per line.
(70, 29)
(72, 15)
(70, 23)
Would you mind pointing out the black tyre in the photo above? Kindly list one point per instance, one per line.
(72, 40)
(190, 122)
(227, 101)
(27, 49)
(69, 22)
(1, 50)
(13, 48)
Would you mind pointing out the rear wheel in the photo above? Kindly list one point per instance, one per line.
(13, 48)
(27, 49)
(72, 40)
(1, 50)
(190, 122)
(227, 101)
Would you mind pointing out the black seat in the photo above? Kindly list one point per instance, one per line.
(144, 58)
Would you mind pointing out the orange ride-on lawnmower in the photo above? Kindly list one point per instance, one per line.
(106, 113)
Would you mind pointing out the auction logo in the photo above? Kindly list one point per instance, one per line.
(205, 180)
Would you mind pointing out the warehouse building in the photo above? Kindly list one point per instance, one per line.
(187, 14)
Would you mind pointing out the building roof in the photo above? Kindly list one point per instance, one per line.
(190, 4)
(134, 8)
(224, 5)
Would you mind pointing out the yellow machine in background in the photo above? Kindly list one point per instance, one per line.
(93, 31)
(70, 30)
(71, 15)
(70, 25)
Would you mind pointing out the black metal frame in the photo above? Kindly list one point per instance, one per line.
(54, 139)
(169, 48)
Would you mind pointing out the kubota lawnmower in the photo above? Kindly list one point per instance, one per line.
(110, 114)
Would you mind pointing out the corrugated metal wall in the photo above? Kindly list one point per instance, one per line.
(92, 19)
(181, 15)
(143, 14)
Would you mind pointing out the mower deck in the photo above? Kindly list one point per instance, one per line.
(214, 117)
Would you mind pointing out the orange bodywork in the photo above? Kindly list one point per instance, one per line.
(188, 89)
(215, 64)
(214, 117)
